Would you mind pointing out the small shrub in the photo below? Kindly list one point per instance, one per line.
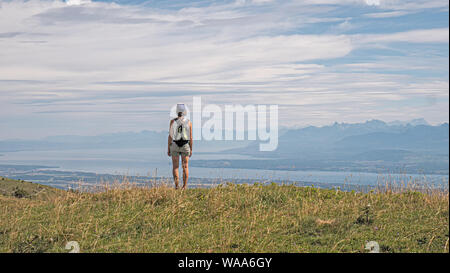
(20, 193)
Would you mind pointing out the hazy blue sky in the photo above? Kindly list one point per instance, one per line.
(82, 67)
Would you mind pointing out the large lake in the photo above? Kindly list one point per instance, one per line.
(157, 163)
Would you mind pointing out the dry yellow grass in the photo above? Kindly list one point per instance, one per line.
(227, 218)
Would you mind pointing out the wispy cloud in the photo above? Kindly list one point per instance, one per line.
(106, 59)
(386, 14)
(438, 35)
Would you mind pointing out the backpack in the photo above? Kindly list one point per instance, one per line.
(180, 131)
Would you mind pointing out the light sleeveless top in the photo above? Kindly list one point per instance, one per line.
(180, 129)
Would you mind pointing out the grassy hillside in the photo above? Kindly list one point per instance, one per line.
(24, 189)
(227, 218)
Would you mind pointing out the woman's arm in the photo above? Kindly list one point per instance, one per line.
(191, 141)
(169, 140)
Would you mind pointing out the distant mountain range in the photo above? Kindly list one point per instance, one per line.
(144, 139)
(373, 146)
(414, 122)
(117, 140)
(343, 138)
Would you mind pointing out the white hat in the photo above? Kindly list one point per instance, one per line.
(181, 108)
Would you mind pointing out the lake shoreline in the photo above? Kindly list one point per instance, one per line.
(70, 179)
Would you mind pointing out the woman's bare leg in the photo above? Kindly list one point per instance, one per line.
(184, 162)
(175, 165)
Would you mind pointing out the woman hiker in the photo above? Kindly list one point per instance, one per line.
(180, 144)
